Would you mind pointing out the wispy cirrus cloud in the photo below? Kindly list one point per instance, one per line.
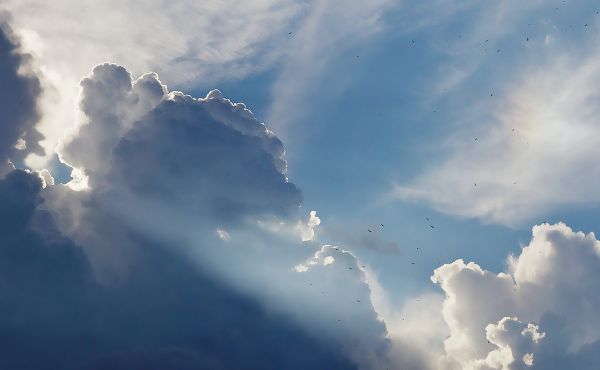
(522, 145)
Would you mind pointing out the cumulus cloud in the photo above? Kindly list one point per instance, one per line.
(540, 314)
(213, 156)
(186, 42)
(64, 304)
(336, 279)
(187, 174)
(18, 102)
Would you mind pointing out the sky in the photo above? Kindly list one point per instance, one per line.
(299, 184)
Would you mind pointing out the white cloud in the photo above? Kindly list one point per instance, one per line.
(539, 146)
(328, 30)
(47, 179)
(540, 314)
(306, 230)
(322, 257)
(149, 157)
(186, 42)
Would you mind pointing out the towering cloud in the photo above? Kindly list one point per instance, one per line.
(96, 279)
(213, 156)
(168, 177)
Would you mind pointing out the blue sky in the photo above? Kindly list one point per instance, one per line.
(377, 116)
(425, 135)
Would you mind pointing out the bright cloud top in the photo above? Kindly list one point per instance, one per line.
(540, 314)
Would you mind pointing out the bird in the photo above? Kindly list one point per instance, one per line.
(381, 225)
(427, 218)
(527, 39)
(475, 139)
(289, 33)
(412, 263)
(474, 184)
(431, 226)
(358, 300)
(369, 230)
(486, 41)
(497, 51)
(349, 268)
(413, 41)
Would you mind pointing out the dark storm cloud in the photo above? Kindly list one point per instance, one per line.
(18, 96)
(164, 315)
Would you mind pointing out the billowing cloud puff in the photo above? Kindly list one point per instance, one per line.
(335, 279)
(198, 177)
(306, 230)
(96, 278)
(540, 314)
(186, 43)
(18, 102)
(213, 156)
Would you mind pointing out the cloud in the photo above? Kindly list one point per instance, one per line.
(165, 313)
(214, 157)
(18, 103)
(336, 279)
(540, 314)
(187, 43)
(327, 31)
(175, 170)
(536, 149)
(542, 91)
(306, 230)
